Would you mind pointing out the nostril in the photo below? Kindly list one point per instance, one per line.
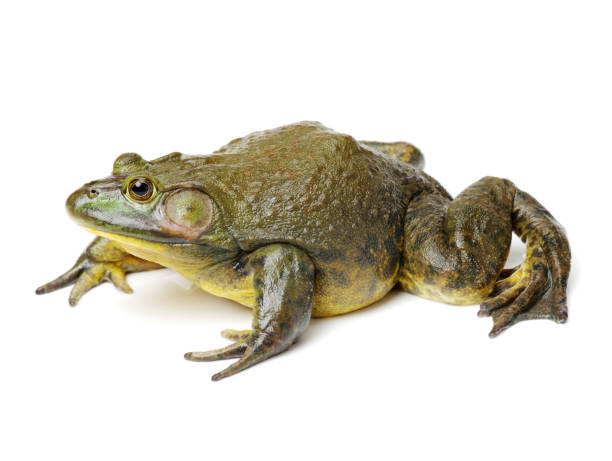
(92, 193)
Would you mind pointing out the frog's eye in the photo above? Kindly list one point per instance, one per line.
(140, 189)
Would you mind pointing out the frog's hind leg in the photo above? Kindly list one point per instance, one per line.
(544, 272)
(283, 282)
(455, 252)
(401, 151)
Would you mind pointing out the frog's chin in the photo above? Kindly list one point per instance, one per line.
(145, 249)
(173, 256)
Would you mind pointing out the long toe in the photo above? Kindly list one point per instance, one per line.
(228, 352)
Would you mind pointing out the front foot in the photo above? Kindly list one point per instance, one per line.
(249, 347)
(528, 292)
(283, 281)
(85, 275)
(101, 262)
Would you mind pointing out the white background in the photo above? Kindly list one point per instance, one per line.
(516, 89)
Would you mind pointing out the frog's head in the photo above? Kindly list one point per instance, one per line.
(154, 211)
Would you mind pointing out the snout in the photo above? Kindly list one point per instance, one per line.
(76, 200)
(101, 205)
(87, 204)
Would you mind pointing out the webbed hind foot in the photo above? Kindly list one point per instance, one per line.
(526, 294)
(536, 289)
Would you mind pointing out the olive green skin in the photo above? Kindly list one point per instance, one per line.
(302, 221)
(302, 184)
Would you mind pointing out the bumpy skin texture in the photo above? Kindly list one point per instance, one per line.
(302, 221)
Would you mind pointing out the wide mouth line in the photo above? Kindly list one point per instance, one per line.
(107, 234)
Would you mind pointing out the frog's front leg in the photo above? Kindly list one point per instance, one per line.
(101, 261)
(455, 251)
(283, 283)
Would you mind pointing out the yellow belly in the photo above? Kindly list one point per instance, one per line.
(222, 280)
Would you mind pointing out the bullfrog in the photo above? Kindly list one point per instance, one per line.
(301, 221)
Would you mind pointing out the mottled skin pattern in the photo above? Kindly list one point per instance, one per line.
(302, 221)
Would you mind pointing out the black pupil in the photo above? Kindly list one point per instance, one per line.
(140, 188)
